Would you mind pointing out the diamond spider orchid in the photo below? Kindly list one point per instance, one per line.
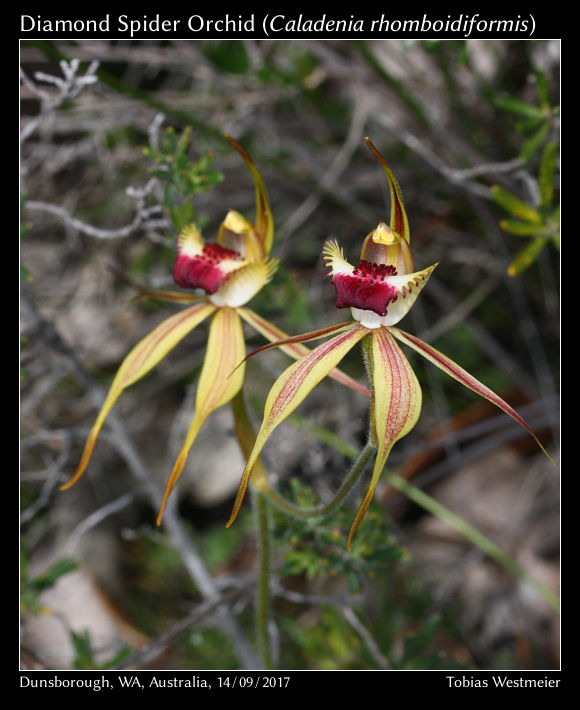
(230, 271)
(379, 291)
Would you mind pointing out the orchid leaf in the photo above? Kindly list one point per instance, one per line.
(543, 87)
(533, 143)
(522, 229)
(514, 105)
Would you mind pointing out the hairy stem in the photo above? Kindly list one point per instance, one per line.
(246, 438)
(318, 511)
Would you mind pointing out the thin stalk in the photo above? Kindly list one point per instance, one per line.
(457, 523)
(263, 598)
(318, 511)
(246, 438)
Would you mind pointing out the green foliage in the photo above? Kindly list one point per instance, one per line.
(541, 224)
(182, 177)
(537, 120)
(315, 547)
(229, 56)
(327, 642)
(407, 634)
(85, 660)
(32, 586)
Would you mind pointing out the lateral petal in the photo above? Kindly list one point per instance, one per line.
(144, 356)
(242, 285)
(396, 406)
(217, 384)
(291, 388)
(458, 373)
(278, 338)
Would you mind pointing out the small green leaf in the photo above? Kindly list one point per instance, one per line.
(532, 144)
(508, 103)
(526, 257)
(543, 88)
(514, 205)
(547, 172)
(522, 229)
(58, 569)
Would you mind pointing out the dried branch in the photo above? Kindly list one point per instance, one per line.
(172, 523)
(69, 87)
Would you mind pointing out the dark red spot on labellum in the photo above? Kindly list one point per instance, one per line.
(366, 287)
(203, 271)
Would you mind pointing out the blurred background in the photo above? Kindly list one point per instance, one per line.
(110, 131)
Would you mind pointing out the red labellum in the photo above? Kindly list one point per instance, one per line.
(204, 270)
(366, 288)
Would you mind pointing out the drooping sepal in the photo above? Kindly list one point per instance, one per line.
(395, 408)
(458, 373)
(290, 389)
(217, 383)
(144, 356)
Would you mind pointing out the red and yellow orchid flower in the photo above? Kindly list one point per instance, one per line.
(230, 271)
(380, 291)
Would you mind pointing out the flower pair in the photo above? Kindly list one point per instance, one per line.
(230, 271)
(380, 291)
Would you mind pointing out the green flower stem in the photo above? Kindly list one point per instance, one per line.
(456, 522)
(318, 511)
(246, 439)
(263, 600)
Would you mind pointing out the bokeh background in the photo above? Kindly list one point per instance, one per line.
(101, 586)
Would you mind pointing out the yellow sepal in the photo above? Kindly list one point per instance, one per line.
(217, 385)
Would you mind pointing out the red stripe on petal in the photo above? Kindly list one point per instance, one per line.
(461, 375)
(302, 368)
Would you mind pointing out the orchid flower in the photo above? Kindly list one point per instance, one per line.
(230, 271)
(379, 291)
